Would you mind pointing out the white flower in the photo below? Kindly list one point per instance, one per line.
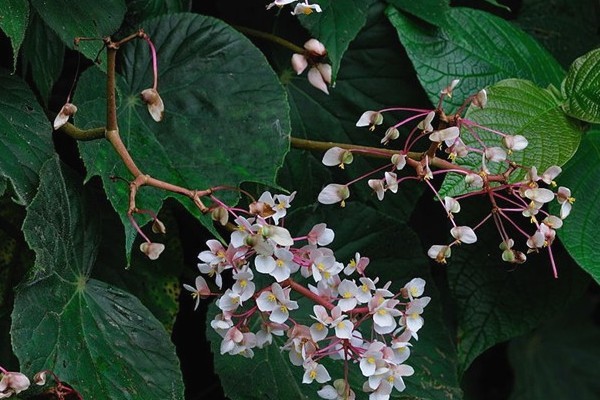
(448, 89)
(425, 125)
(334, 193)
(439, 253)
(337, 156)
(155, 105)
(67, 110)
(370, 118)
(516, 142)
(463, 234)
(447, 135)
(306, 9)
(480, 99)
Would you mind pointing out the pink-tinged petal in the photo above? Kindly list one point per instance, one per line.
(316, 79)
(62, 118)
(425, 125)
(314, 46)
(378, 186)
(480, 99)
(334, 156)
(325, 70)
(445, 135)
(299, 63)
(333, 193)
(540, 195)
(551, 173)
(474, 180)
(152, 250)
(155, 105)
(463, 234)
(370, 118)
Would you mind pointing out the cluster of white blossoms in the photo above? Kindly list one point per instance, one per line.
(353, 319)
(301, 7)
(526, 197)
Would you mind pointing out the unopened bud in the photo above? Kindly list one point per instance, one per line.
(158, 226)
(68, 110)
(156, 107)
(480, 99)
(40, 378)
(220, 214)
(152, 250)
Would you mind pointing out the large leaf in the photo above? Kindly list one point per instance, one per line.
(14, 17)
(98, 338)
(579, 232)
(337, 26)
(82, 18)
(219, 93)
(559, 360)
(518, 107)
(477, 48)
(581, 88)
(25, 137)
(43, 55)
(496, 301)
(434, 12)
(432, 356)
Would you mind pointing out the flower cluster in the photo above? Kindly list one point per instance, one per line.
(301, 7)
(314, 56)
(494, 175)
(353, 319)
(13, 383)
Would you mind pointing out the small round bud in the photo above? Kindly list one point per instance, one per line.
(152, 250)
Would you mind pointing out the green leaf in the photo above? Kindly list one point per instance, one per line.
(434, 12)
(14, 17)
(432, 357)
(218, 92)
(43, 55)
(376, 75)
(82, 18)
(517, 107)
(581, 88)
(559, 360)
(495, 304)
(25, 137)
(140, 10)
(336, 27)
(96, 337)
(477, 48)
(579, 232)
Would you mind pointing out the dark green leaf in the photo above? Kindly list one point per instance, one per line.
(25, 137)
(579, 232)
(434, 12)
(218, 92)
(43, 55)
(517, 107)
(82, 18)
(581, 88)
(140, 10)
(477, 48)
(98, 338)
(337, 26)
(14, 18)
(559, 360)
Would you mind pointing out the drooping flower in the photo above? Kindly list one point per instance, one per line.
(337, 156)
(152, 250)
(463, 234)
(154, 102)
(334, 193)
(67, 111)
(319, 74)
(370, 119)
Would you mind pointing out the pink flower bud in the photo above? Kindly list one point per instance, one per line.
(334, 193)
(152, 250)
(68, 110)
(315, 47)
(463, 234)
(156, 107)
(299, 63)
(480, 99)
(158, 227)
(13, 382)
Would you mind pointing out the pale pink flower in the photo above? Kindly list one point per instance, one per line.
(334, 193)
(67, 111)
(319, 74)
(155, 105)
(425, 125)
(463, 234)
(480, 99)
(370, 119)
(152, 250)
(337, 156)
(448, 89)
(200, 291)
